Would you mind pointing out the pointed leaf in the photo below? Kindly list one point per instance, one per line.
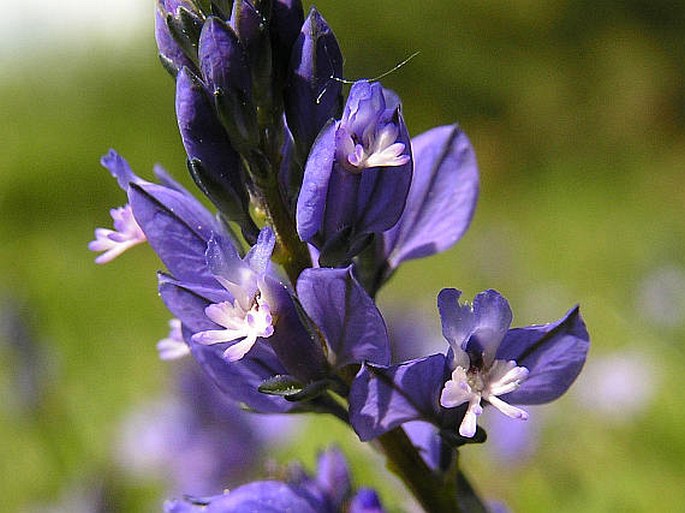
(282, 385)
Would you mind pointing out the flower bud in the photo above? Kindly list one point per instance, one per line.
(251, 23)
(214, 164)
(225, 68)
(177, 29)
(312, 96)
(287, 17)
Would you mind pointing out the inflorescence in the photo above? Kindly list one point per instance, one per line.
(319, 198)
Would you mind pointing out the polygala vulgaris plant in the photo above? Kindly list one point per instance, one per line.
(319, 198)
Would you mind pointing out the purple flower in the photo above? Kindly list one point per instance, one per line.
(357, 175)
(248, 316)
(244, 326)
(181, 231)
(475, 334)
(488, 363)
(327, 492)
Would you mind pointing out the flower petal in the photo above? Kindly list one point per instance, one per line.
(177, 227)
(348, 317)
(382, 398)
(553, 353)
(311, 202)
(442, 197)
(300, 353)
(457, 319)
(259, 255)
(226, 266)
(188, 303)
(492, 318)
(120, 169)
(261, 496)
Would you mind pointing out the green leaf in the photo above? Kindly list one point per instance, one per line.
(281, 384)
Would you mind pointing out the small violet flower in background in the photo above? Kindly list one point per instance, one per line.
(661, 297)
(200, 442)
(327, 492)
(173, 346)
(620, 385)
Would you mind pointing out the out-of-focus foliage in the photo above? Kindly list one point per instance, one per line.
(577, 113)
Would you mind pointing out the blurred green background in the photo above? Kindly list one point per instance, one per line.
(576, 110)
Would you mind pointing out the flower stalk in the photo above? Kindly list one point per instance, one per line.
(436, 493)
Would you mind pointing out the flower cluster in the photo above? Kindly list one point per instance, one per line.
(319, 199)
(329, 491)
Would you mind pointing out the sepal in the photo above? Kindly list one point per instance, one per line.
(441, 202)
(250, 20)
(348, 318)
(382, 398)
(172, 54)
(553, 353)
(219, 193)
(282, 385)
(287, 17)
(184, 27)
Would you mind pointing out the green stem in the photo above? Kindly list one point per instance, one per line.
(468, 498)
(292, 253)
(436, 493)
(447, 492)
